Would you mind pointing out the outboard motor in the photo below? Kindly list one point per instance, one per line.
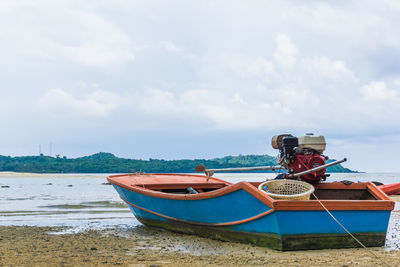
(298, 154)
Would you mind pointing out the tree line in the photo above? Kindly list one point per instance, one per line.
(108, 163)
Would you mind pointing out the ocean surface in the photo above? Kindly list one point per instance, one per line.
(87, 201)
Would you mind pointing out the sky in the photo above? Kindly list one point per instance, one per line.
(200, 79)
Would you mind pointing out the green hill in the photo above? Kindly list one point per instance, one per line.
(109, 163)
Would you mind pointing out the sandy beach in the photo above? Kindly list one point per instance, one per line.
(143, 246)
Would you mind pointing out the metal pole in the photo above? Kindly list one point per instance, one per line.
(259, 168)
(201, 168)
(316, 168)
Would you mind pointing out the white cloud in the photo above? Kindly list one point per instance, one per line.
(48, 33)
(286, 51)
(84, 84)
(171, 47)
(379, 104)
(325, 68)
(155, 101)
(250, 68)
(98, 103)
(378, 91)
(258, 66)
(352, 24)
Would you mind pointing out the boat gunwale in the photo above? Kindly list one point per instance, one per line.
(206, 195)
(382, 202)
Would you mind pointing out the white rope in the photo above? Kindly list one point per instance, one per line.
(358, 241)
(137, 174)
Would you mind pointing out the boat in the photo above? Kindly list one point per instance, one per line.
(241, 212)
(332, 215)
(390, 189)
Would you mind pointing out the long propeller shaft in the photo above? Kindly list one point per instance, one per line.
(293, 175)
(202, 168)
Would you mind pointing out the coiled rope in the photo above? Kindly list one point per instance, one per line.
(347, 231)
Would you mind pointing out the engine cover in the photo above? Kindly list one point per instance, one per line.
(305, 162)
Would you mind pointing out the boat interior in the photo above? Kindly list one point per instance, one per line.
(196, 184)
(359, 193)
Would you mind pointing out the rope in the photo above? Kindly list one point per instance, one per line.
(358, 241)
(201, 223)
(138, 173)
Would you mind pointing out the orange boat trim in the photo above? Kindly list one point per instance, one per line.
(212, 194)
(383, 202)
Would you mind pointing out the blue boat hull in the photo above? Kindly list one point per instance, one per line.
(274, 241)
(241, 216)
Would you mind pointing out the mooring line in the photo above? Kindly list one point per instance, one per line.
(201, 223)
(358, 241)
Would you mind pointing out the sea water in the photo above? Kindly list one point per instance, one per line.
(81, 201)
(87, 201)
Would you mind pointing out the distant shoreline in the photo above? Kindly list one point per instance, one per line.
(108, 163)
(8, 174)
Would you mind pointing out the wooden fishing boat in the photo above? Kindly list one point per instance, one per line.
(243, 213)
(390, 189)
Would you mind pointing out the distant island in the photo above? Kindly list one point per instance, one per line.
(108, 163)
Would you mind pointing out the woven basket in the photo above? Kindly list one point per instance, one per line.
(287, 189)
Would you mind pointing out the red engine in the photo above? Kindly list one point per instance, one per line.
(298, 154)
(306, 162)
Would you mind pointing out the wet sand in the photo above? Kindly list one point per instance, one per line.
(144, 246)
(395, 198)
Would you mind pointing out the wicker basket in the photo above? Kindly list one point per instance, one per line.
(287, 189)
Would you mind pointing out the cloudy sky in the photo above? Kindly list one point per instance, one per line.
(200, 79)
